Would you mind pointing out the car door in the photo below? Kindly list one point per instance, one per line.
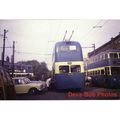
(20, 86)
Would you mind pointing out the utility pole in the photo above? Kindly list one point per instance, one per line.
(13, 57)
(93, 46)
(3, 53)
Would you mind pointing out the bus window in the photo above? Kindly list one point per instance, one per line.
(113, 55)
(98, 72)
(95, 72)
(75, 68)
(88, 73)
(68, 48)
(115, 70)
(64, 48)
(92, 73)
(72, 47)
(107, 71)
(64, 69)
(119, 55)
(102, 72)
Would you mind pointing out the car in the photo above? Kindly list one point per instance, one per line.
(7, 90)
(40, 81)
(25, 85)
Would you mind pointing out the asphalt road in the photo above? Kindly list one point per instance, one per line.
(90, 93)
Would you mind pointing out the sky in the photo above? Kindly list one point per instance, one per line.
(35, 39)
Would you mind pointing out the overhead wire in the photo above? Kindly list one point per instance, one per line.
(86, 34)
(30, 53)
(98, 29)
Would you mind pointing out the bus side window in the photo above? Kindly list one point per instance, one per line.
(102, 72)
(95, 72)
(107, 71)
(119, 55)
(98, 72)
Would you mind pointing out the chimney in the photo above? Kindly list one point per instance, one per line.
(112, 38)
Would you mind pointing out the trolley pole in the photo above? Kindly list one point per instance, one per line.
(3, 53)
(13, 57)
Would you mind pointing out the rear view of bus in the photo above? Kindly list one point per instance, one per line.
(68, 66)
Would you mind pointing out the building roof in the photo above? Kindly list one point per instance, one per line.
(104, 45)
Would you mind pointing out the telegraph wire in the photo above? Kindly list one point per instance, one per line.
(87, 34)
(98, 29)
(31, 53)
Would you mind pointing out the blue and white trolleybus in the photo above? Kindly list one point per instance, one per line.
(68, 66)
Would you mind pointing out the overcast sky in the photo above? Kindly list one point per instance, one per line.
(35, 39)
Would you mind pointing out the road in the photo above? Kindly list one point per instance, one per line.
(90, 93)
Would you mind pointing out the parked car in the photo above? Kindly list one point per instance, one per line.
(40, 81)
(24, 85)
(7, 90)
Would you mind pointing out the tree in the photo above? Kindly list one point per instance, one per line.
(8, 59)
(40, 70)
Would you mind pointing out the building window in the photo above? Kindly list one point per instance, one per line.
(103, 56)
(113, 55)
(99, 58)
(106, 56)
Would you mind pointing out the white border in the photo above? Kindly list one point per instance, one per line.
(59, 9)
(62, 9)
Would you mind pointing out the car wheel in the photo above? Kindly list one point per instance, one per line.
(32, 91)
